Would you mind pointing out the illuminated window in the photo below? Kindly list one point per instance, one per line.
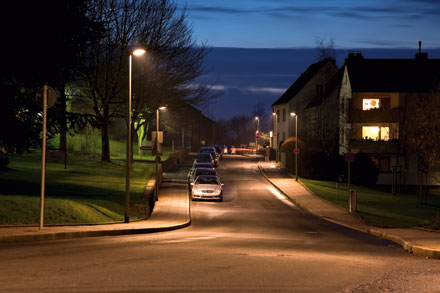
(368, 104)
(375, 133)
(384, 133)
(370, 132)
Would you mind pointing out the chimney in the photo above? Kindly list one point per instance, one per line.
(420, 55)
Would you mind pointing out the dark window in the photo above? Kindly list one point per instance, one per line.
(385, 103)
(278, 115)
(384, 164)
(284, 115)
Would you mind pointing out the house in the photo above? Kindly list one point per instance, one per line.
(376, 98)
(310, 85)
(191, 129)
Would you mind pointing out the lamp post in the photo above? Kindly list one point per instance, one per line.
(157, 150)
(296, 151)
(275, 135)
(257, 133)
(137, 52)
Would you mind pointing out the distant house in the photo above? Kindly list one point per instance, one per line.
(362, 107)
(192, 129)
(376, 97)
(308, 88)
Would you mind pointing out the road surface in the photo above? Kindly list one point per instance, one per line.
(253, 241)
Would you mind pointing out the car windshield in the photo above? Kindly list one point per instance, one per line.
(205, 172)
(207, 180)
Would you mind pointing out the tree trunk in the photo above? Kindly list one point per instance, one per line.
(63, 122)
(105, 140)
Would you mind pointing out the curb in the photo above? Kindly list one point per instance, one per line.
(414, 249)
(83, 234)
(7, 239)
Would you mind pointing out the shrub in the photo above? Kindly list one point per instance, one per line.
(363, 170)
(4, 161)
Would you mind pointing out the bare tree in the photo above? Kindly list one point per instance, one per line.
(325, 49)
(172, 61)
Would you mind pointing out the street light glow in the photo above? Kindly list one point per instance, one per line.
(256, 118)
(139, 52)
(292, 114)
(162, 107)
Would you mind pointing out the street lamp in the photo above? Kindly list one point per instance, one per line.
(296, 151)
(137, 52)
(275, 135)
(257, 133)
(157, 149)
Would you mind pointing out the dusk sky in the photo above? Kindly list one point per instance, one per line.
(248, 77)
(297, 23)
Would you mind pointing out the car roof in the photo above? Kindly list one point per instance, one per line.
(207, 176)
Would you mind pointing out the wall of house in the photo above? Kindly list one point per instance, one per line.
(298, 103)
(345, 97)
(282, 123)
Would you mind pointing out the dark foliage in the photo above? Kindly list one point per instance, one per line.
(4, 161)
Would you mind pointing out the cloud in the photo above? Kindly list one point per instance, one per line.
(248, 90)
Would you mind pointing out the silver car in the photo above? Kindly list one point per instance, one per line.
(207, 187)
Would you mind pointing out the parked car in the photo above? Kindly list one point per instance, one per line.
(218, 150)
(200, 171)
(232, 152)
(204, 158)
(198, 165)
(211, 150)
(225, 149)
(207, 187)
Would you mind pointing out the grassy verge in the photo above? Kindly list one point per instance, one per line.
(91, 144)
(381, 208)
(89, 191)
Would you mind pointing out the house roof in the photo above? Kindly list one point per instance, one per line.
(301, 82)
(392, 75)
(333, 83)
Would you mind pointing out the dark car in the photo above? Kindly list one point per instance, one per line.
(204, 158)
(200, 171)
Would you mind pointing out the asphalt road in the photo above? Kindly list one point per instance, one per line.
(253, 241)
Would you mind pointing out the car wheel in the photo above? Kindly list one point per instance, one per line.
(221, 197)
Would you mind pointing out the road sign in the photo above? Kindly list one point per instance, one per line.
(51, 97)
(296, 151)
(349, 157)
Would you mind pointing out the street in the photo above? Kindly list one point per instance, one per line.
(254, 240)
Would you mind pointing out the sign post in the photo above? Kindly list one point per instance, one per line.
(349, 157)
(47, 98)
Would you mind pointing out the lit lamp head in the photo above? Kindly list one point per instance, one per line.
(163, 107)
(256, 118)
(274, 114)
(292, 114)
(138, 52)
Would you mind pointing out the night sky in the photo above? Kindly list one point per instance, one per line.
(247, 77)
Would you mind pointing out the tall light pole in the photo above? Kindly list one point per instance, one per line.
(137, 52)
(257, 133)
(157, 149)
(275, 135)
(296, 150)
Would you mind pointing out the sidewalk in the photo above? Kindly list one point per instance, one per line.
(416, 241)
(172, 211)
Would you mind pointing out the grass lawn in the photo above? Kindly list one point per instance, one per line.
(89, 191)
(381, 208)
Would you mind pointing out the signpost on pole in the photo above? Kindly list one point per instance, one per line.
(47, 98)
(349, 157)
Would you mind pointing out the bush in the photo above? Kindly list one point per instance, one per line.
(363, 170)
(4, 161)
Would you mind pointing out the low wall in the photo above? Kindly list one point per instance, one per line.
(175, 159)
